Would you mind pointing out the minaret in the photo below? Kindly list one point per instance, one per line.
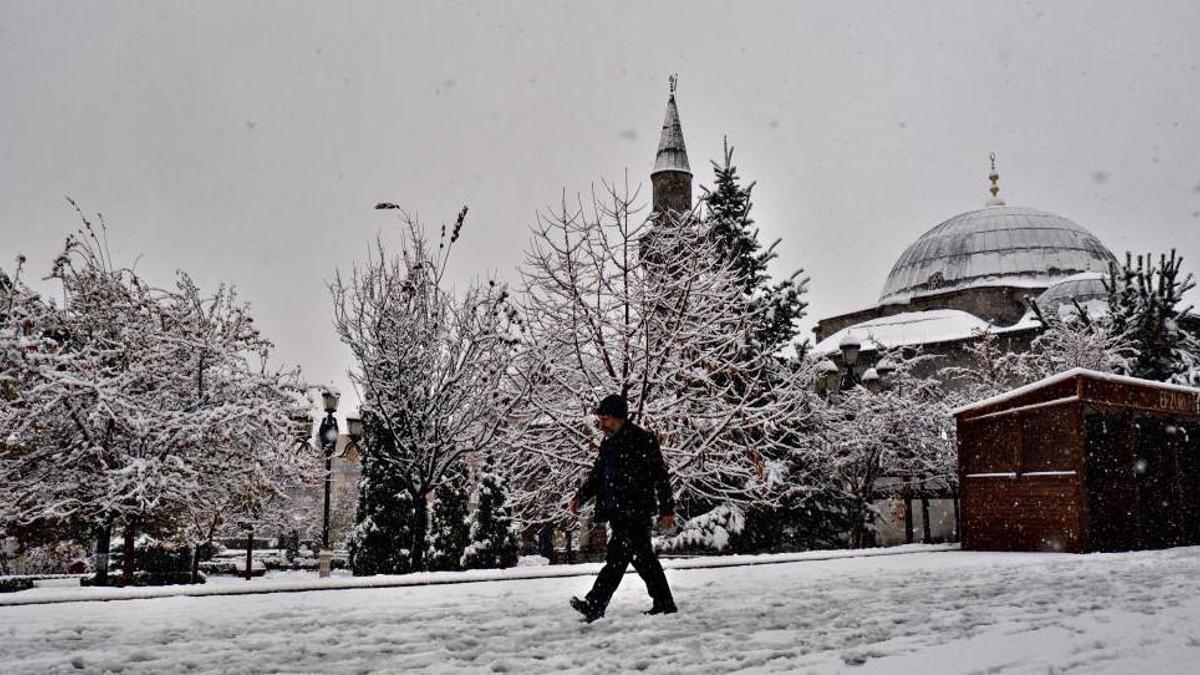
(994, 177)
(671, 178)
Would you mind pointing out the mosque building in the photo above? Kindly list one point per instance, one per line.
(974, 272)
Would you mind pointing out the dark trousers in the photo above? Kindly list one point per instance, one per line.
(630, 543)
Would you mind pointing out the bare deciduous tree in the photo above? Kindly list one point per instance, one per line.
(134, 405)
(644, 308)
(429, 363)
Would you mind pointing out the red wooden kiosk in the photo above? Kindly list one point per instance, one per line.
(1081, 461)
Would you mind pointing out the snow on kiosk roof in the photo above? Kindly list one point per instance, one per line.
(1074, 374)
(1081, 461)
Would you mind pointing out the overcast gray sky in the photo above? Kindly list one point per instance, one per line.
(247, 142)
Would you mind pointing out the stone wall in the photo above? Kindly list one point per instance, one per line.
(672, 190)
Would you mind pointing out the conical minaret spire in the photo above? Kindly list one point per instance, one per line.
(672, 175)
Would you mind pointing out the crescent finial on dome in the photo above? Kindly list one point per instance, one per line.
(994, 176)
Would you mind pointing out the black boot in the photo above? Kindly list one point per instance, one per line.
(665, 608)
(589, 610)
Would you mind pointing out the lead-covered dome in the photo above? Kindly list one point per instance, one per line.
(995, 246)
(1088, 290)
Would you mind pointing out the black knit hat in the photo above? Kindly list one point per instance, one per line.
(613, 405)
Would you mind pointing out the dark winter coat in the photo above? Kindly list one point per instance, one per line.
(629, 478)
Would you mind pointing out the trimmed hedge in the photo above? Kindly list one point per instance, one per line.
(14, 584)
(144, 578)
(23, 582)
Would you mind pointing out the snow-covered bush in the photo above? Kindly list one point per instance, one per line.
(710, 532)
(63, 557)
(815, 515)
(493, 538)
(382, 537)
(449, 526)
(16, 584)
(1082, 339)
(156, 563)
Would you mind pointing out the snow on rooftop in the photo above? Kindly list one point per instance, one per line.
(907, 329)
(1067, 375)
(1010, 280)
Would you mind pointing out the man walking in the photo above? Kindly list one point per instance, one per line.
(629, 483)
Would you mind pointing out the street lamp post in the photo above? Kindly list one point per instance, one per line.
(248, 526)
(354, 429)
(832, 377)
(328, 436)
(828, 376)
(871, 380)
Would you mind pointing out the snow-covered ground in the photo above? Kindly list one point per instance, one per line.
(923, 612)
(292, 581)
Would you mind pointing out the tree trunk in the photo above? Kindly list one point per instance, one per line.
(195, 563)
(196, 555)
(249, 554)
(957, 519)
(420, 528)
(908, 518)
(103, 541)
(926, 528)
(858, 532)
(130, 533)
(546, 541)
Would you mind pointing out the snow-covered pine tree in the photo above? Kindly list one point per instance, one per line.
(728, 206)
(449, 525)
(493, 538)
(430, 363)
(1079, 340)
(382, 537)
(1146, 305)
(772, 522)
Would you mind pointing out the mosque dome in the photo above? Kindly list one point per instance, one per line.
(995, 246)
(1087, 289)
